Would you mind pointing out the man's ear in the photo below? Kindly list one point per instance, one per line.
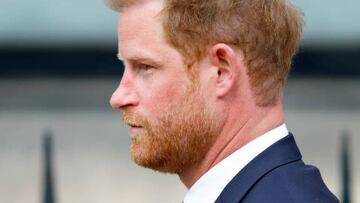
(224, 60)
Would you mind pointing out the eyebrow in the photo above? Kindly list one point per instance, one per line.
(142, 59)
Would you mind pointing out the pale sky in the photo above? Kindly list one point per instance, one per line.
(24, 22)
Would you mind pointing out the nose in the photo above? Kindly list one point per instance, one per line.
(124, 94)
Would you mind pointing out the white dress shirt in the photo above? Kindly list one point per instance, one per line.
(212, 183)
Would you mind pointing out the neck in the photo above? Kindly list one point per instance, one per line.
(235, 134)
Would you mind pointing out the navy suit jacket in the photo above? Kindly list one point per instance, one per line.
(277, 175)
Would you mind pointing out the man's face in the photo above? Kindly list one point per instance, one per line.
(171, 124)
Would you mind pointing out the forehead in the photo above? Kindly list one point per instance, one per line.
(140, 30)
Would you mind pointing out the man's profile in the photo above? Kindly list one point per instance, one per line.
(202, 96)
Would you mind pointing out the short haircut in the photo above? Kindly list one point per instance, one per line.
(267, 31)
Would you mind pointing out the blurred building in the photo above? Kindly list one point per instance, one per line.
(58, 68)
(80, 38)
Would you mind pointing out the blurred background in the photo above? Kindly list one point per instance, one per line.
(58, 69)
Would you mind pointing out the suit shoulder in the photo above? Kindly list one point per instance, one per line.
(294, 182)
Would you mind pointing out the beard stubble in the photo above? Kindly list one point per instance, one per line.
(179, 138)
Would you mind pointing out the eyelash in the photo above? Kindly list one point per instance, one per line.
(144, 67)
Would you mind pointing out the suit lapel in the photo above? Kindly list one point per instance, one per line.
(282, 152)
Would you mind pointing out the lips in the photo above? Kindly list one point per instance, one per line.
(134, 125)
(135, 129)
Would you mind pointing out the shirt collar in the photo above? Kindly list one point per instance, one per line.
(212, 183)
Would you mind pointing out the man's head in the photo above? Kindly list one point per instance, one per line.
(170, 122)
(267, 32)
(188, 63)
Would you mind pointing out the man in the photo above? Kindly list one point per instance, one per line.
(202, 96)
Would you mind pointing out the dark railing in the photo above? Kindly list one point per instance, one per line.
(48, 179)
(346, 167)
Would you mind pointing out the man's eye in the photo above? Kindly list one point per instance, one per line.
(144, 67)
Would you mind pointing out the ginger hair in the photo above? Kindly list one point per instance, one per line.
(266, 31)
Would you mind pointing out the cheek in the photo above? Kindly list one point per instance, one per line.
(158, 97)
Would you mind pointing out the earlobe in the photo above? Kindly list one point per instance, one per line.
(224, 59)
